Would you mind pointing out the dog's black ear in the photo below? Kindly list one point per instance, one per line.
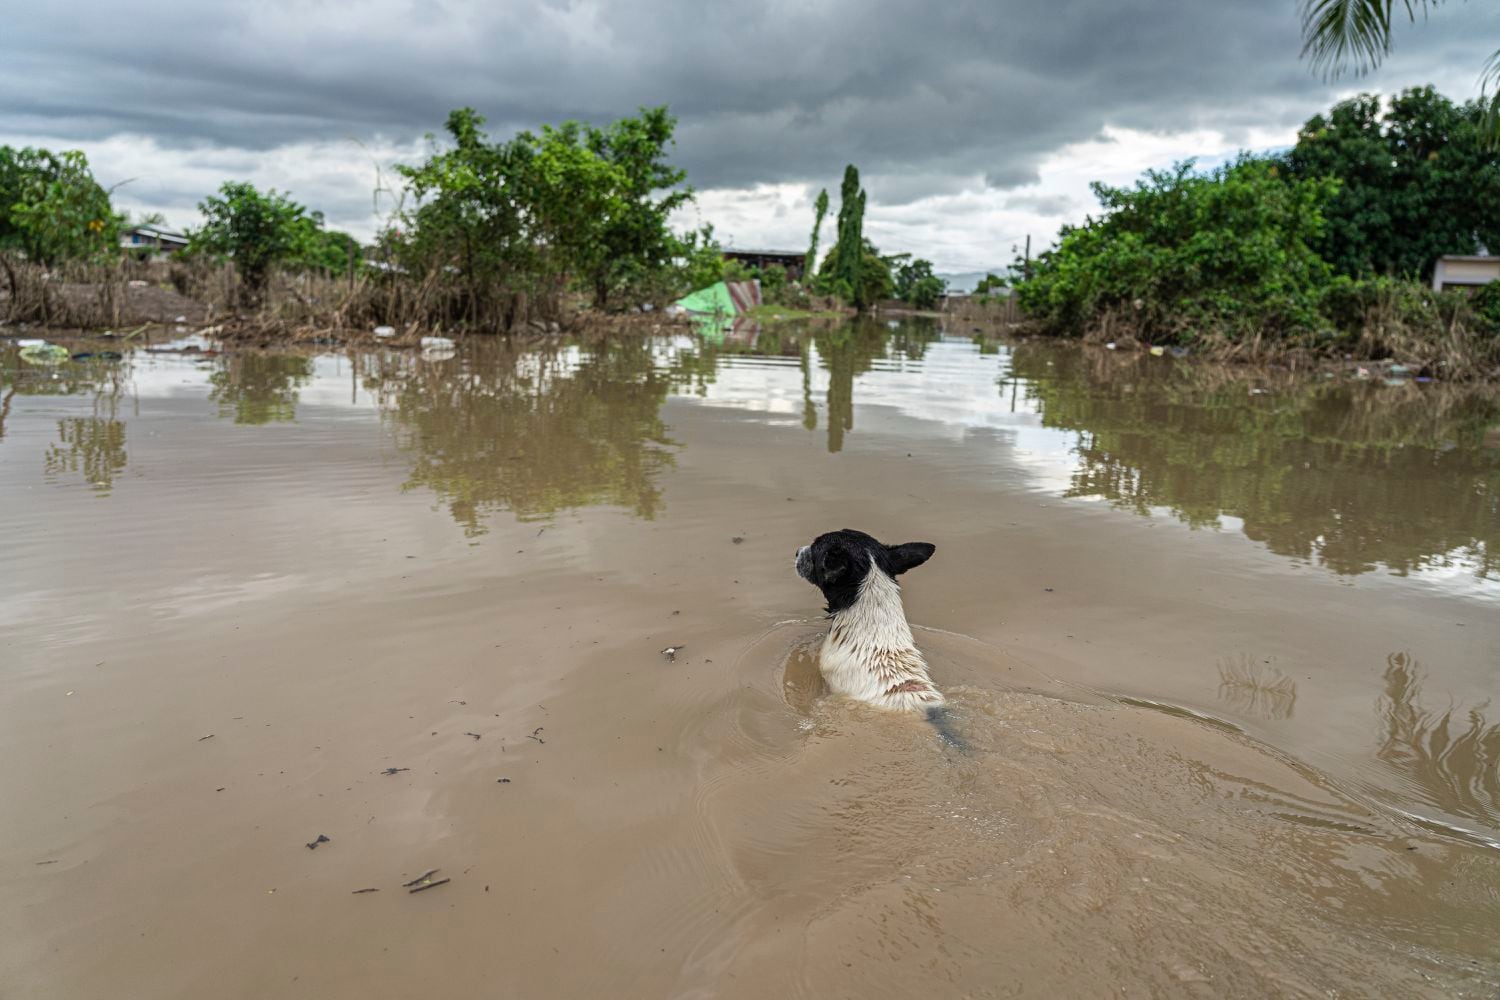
(909, 555)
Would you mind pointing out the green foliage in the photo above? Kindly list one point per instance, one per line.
(633, 239)
(1486, 305)
(820, 210)
(738, 270)
(699, 259)
(52, 209)
(498, 221)
(1183, 253)
(914, 282)
(326, 249)
(773, 282)
(873, 277)
(843, 273)
(1417, 182)
(260, 231)
(991, 283)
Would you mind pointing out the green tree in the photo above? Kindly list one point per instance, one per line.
(820, 210)
(253, 229)
(52, 209)
(914, 282)
(633, 239)
(848, 258)
(991, 283)
(498, 224)
(467, 233)
(1417, 182)
(321, 248)
(1184, 254)
(699, 258)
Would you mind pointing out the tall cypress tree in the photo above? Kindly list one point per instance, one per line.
(848, 256)
(820, 207)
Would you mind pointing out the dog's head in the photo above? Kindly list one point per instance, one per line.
(838, 562)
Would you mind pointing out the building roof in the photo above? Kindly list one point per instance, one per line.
(766, 253)
(160, 232)
(1483, 257)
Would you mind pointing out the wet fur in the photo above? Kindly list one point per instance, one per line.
(869, 654)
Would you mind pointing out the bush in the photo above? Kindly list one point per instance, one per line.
(52, 209)
(1185, 254)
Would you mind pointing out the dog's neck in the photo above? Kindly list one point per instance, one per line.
(876, 621)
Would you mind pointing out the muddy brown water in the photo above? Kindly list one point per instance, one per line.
(1223, 647)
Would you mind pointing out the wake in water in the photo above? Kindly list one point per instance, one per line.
(1076, 845)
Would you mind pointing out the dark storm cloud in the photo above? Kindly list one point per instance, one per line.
(765, 92)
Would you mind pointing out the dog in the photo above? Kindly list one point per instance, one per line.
(869, 654)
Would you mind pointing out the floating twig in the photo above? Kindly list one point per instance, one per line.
(395, 770)
(356, 892)
(208, 737)
(312, 845)
(430, 885)
(534, 735)
(421, 878)
(475, 735)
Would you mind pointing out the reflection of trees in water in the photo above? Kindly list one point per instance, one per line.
(1255, 687)
(532, 433)
(259, 388)
(1452, 755)
(846, 349)
(1354, 475)
(93, 446)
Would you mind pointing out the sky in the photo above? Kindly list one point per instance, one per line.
(973, 124)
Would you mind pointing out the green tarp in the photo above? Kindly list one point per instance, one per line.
(710, 301)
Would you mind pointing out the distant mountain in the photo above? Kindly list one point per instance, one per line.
(964, 281)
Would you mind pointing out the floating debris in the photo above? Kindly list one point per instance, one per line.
(671, 653)
(312, 845)
(395, 770)
(430, 885)
(357, 892)
(534, 735)
(475, 735)
(208, 737)
(421, 878)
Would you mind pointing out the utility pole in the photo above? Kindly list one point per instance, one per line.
(1026, 270)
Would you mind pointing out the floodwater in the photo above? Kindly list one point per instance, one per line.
(1223, 646)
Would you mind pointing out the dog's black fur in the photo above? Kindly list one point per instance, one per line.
(836, 563)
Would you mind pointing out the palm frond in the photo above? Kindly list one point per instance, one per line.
(1340, 36)
(1489, 97)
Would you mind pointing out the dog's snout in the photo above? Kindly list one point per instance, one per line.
(803, 562)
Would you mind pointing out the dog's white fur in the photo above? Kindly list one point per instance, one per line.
(869, 654)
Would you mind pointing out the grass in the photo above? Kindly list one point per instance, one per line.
(770, 312)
